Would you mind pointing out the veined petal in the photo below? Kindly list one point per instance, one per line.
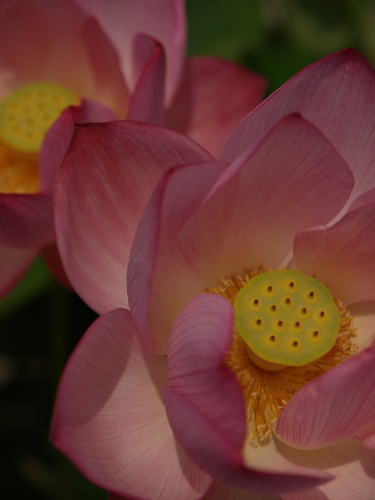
(59, 136)
(335, 94)
(366, 198)
(164, 21)
(363, 314)
(66, 47)
(26, 220)
(104, 183)
(292, 179)
(205, 406)
(110, 420)
(333, 407)
(367, 436)
(160, 281)
(147, 101)
(213, 97)
(342, 256)
(352, 464)
(198, 342)
(13, 264)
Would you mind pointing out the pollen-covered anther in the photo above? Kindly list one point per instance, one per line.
(291, 308)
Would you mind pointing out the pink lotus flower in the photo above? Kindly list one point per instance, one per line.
(104, 61)
(218, 418)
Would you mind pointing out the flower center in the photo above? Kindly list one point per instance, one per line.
(27, 113)
(271, 370)
(25, 116)
(286, 317)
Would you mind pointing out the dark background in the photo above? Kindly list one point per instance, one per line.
(41, 322)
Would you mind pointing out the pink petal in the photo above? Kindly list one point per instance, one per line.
(367, 436)
(366, 198)
(59, 136)
(147, 102)
(26, 220)
(164, 21)
(110, 420)
(14, 263)
(199, 340)
(22, 26)
(204, 402)
(66, 47)
(160, 282)
(213, 454)
(343, 256)
(292, 179)
(104, 183)
(335, 94)
(333, 407)
(213, 97)
(352, 464)
(363, 314)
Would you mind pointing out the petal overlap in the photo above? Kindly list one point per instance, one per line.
(286, 182)
(164, 21)
(335, 94)
(204, 402)
(213, 97)
(342, 256)
(155, 254)
(333, 407)
(124, 410)
(118, 186)
(352, 464)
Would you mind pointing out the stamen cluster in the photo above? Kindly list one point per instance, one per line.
(267, 392)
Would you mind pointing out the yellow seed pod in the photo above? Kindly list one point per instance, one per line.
(287, 317)
(28, 112)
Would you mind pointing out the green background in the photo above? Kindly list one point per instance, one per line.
(41, 322)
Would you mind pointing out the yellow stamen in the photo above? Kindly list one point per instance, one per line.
(267, 389)
(18, 171)
(25, 116)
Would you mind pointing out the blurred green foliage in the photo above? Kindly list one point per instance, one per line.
(277, 38)
(41, 322)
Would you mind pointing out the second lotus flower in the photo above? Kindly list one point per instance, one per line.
(98, 61)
